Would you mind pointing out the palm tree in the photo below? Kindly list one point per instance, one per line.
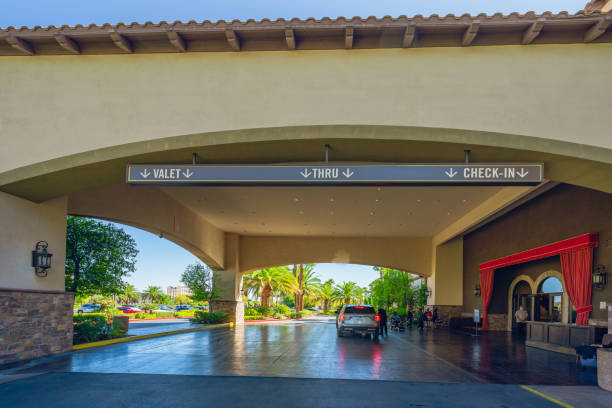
(265, 281)
(346, 291)
(327, 293)
(311, 285)
(129, 294)
(152, 293)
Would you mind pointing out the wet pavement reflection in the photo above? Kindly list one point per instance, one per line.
(311, 349)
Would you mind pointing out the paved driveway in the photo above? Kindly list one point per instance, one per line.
(434, 368)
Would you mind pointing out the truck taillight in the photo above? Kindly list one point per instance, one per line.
(377, 317)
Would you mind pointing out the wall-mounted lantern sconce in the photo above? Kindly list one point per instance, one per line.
(477, 290)
(41, 259)
(600, 276)
(428, 292)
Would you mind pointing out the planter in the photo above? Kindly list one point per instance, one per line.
(604, 368)
(123, 322)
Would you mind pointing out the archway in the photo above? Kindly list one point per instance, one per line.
(518, 292)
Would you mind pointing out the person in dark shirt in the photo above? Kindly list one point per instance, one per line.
(382, 326)
(409, 317)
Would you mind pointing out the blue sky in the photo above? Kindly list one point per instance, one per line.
(71, 12)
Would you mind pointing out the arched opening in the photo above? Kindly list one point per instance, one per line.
(521, 300)
(548, 301)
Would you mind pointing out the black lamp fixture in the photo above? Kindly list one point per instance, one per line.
(428, 292)
(477, 290)
(600, 276)
(41, 259)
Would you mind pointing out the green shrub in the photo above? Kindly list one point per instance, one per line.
(250, 311)
(282, 310)
(90, 327)
(209, 317)
(164, 314)
(144, 316)
(254, 317)
(301, 314)
(184, 313)
(264, 310)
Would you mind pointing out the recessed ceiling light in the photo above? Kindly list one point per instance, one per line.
(332, 199)
(378, 188)
(448, 213)
(296, 199)
(377, 200)
(371, 212)
(464, 201)
(419, 200)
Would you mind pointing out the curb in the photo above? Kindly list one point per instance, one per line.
(147, 336)
(161, 318)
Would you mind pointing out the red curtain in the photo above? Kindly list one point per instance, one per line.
(577, 267)
(486, 292)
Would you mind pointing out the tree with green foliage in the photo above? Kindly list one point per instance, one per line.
(98, 257)
(265, 281)
(310, 286)
(347, 291)
(201, 280)
(394, 286)
(327, 294)
(152, 294)
(129, 295)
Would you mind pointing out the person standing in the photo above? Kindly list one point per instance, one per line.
(434, 317)
(521, 317)
(382, 325)
(420, 320)
(409, 317)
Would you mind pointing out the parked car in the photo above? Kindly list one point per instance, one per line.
(130, 309)
(361, 319)
(164, 308)
(201, 307)
(87, 308)
(183, 307)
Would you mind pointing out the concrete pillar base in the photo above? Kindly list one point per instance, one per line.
(34, 324)
(234, 309)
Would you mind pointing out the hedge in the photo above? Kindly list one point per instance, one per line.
(90, 327)
(209, 317)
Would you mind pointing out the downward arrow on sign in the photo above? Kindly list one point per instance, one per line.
(452, 173)
(305, 173)
(348, 173)
(146, 173)
(522, 173)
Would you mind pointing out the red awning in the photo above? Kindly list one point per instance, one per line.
(556, 248)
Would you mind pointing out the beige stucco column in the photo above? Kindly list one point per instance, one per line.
(228, 282)
(446, 281)
(35, 311)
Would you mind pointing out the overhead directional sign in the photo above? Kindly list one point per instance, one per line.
(330, 174)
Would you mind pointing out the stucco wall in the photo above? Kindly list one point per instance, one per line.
(22, 225)
(561, 213)
(82, 103)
